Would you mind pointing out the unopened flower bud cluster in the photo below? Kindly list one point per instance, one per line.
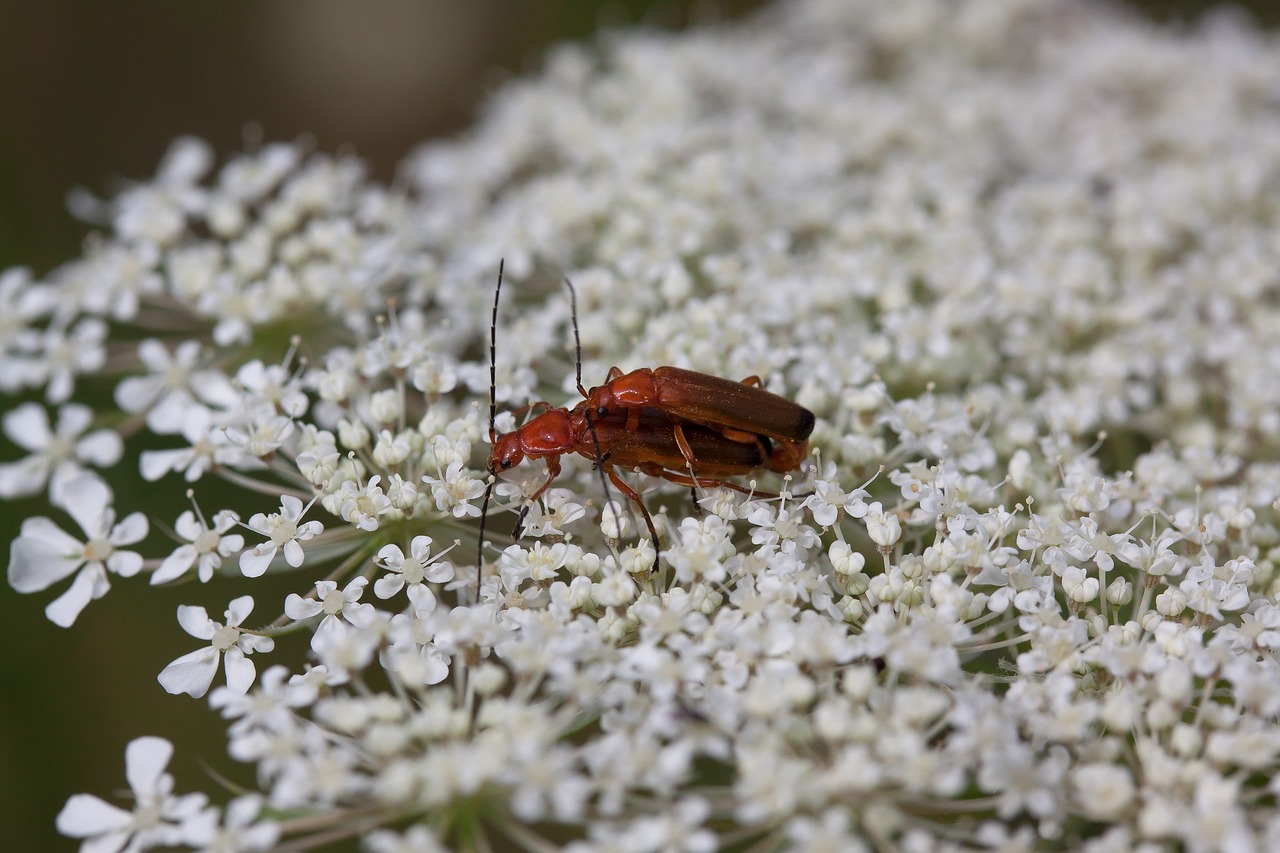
(1020, 260)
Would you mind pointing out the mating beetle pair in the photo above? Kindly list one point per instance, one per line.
(664, 422)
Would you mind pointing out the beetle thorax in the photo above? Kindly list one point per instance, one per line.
(548, 434)
(631, 390)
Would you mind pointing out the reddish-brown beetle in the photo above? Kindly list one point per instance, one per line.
(613, 427)
(740, 411)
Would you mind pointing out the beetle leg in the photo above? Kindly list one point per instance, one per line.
(683, 443)
(702, 482)
(741, 436)
(687, 452)
(787, 455)
(553, 471)
(644, 510)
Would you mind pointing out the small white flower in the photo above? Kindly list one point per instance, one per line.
(560, 510)
(402, 492)
(65, 354)
(386, 407)
(207, 445)
(433, 376)
(205, 548)
(614, 523)
(455, 491)
(390, 450)
(275, 385)
(193, 672)
(238, 829)
(42, 554)
(362, 506)
(284, 532)
(338, 607)
(57, 455)
(159, 818)
(884, 528)
(172, 386)
(415, 839)
(1104, 791)
(416, 570)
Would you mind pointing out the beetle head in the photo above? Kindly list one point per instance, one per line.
(600, 401)
(506, 453)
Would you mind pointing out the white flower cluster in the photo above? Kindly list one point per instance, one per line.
(1021, 260)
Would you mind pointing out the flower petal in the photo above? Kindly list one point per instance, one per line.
(239, 609)
(240, 671)
(192, 673)
(85, 815)
(196, 622)
(154, 464)
(36, 561)
(126, 564)
(90, 584)
(28, 426)
(297, 608)
(102, 448)
(132, 528)
(73, 419)
(293, 553)
(422, 598)
(23, 478)
(175, 565)
(391, 555)
(86, 498)
(388, 585)
(145, 759)
(254, 565)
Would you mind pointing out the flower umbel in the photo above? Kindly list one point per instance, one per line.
(1018, 258)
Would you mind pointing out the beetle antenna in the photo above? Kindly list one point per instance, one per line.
(577, 341)
(493, 417)
(493, 356)
(591, 426)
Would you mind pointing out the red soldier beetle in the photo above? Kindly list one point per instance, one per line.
(740, 411)
(648, 438)
(651, 448)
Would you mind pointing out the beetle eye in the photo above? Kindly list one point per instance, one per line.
(506, 463)
(602, 412)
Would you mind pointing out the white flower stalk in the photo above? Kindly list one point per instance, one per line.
(1018, 259)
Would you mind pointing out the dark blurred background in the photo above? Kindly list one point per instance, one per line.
(93, 93)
